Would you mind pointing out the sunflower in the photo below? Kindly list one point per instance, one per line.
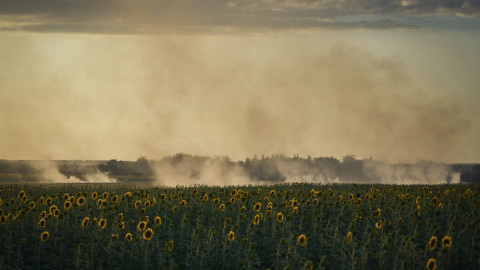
(315, 202)
(85, 222)
(129, 237)
(256, 220)
(435, 201)
(440, 206)
(231, 236)
(128, 195)
(121, 225)
(21, 194)
(432, 264)
(295, 210)
(433, 242)
(67, 205)
(52, 208)
(205, 198)
(100, 203)
(367, 196)
(147, 204)
(142, 225)
(170, 245)
(257, 207)
(114, 199)
(40, 201)
(351, 197)
(163, 197)
(243, 208)
(294, 203)
(183, 203)
(71, 199)
(56, 213)
(349, 237)
(302, 240)
(24, 199)
(377, 213)
(232, 200)
(148, 234)
(216, 200)
(339, 198)
(222, 207)
(32, 205)
(138, 204)
(195, 191)
(94, 195)
(3, 219)
(272, 192)
(105, 195)
(81, 201)
(102, 223)
(115, 237)
(158, 220)
(447, 242)
(279, 217)
(359, 201)
(174, 209)
(417, 201)
(378, 225)
(44, 236)
(49, 200)
(94, 221)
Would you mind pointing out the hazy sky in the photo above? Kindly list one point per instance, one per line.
(102, 79)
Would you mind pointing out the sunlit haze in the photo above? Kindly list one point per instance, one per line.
(122, 79)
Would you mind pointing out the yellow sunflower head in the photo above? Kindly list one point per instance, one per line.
(129, 237)
(349, 237)
(256, 220)
(81, 201)
(42, 223)
(171, 243)
(231, 236)
(142, 225)
(102, 223)
(279, 217)
(447, 242)
(67, 205)
(44, 236)
(158, 220)
(432, 243)
(302, 240)
(114, 199)
(432, 264)
(85, 222)
(148, 234)
(257, 207)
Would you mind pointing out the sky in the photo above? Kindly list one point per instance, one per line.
(118, 79)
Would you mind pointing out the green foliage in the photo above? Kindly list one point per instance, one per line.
(322, 226)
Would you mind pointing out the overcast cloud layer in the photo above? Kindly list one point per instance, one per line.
(188, 16)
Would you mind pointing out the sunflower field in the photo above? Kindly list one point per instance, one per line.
(288, 226)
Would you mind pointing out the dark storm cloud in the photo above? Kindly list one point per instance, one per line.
(149, 16)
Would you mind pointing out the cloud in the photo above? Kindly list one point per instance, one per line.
(194, 16)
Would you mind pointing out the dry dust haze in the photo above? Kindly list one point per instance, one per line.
(125, 97)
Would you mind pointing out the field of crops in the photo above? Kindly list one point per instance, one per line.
(244, 227)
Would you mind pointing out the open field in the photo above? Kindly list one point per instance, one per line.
(87, 226)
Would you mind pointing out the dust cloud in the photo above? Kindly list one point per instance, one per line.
(122, 97)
